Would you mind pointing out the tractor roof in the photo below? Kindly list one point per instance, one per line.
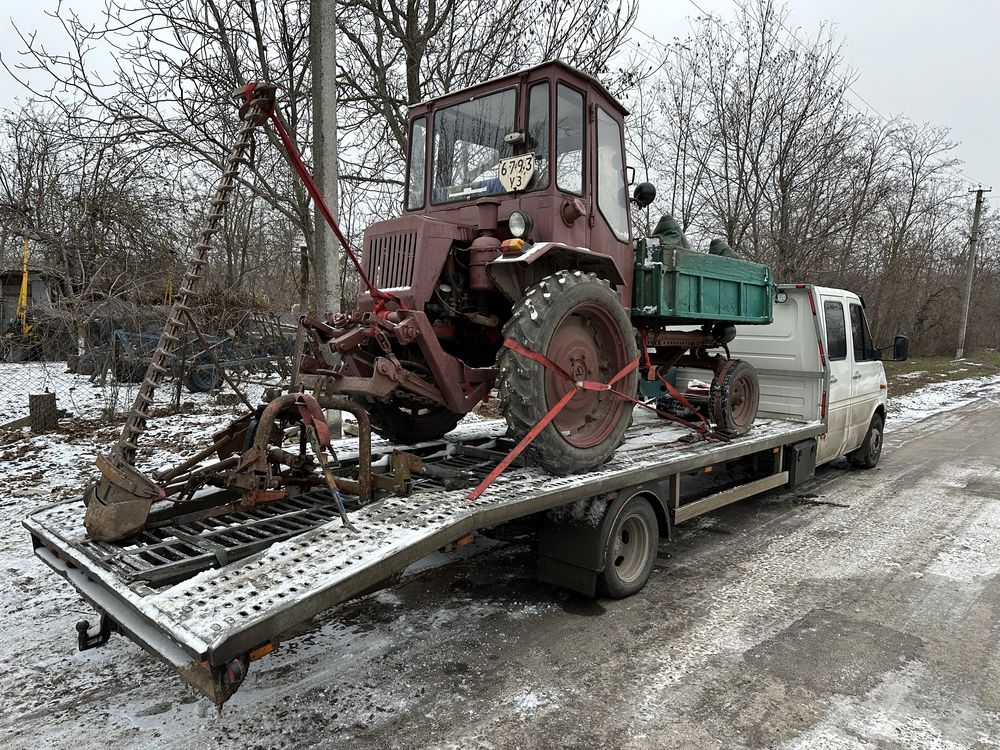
(540, 71)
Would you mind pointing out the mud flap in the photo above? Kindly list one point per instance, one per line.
(571, 551)
(574, 538)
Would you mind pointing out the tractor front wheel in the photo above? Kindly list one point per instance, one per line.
(407, 421)
(576, 320)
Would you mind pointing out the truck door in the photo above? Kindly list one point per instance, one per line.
(867, 377)
(839, 396)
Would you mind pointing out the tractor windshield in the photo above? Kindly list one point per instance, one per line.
(468, 145)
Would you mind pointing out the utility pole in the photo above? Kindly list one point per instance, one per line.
(967, 295)
(323, 59)
(323, 54)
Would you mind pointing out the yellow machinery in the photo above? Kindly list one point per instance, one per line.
(21, 312)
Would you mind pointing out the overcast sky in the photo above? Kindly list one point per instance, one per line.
(932, 60)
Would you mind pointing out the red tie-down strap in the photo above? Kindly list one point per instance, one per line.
(582, 385)
(705, 427)
(380, 297)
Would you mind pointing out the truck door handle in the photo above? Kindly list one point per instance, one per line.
(857, 376)
(833, 380)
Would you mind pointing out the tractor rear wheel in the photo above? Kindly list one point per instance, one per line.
(734, 397)
(577, 321)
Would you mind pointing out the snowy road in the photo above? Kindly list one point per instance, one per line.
(862, 611)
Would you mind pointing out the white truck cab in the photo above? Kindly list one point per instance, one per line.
(857, 391)
(821, 338)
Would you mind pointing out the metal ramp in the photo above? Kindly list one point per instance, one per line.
(311, 562)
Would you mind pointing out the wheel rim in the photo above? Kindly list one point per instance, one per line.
(743, 401)
(588, 344)
(631, 548)
(875, 443)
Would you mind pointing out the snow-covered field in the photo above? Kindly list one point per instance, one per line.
(938, 397)
(47, 683)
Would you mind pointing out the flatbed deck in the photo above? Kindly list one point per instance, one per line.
(298, 559)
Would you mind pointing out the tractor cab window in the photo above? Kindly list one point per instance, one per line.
(569, 139)
(469, 144)
(537, 136)
(612, 198)
(418, 164)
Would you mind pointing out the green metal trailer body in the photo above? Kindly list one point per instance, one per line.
(684, 286)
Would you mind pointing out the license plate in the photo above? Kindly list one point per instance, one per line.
(515, 172)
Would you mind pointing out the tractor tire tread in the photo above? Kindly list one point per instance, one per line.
(519, 378)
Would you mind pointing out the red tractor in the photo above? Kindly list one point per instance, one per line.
(516, 226)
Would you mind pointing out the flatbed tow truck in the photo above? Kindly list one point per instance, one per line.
(211, 595)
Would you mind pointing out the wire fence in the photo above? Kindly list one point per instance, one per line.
(94, 367)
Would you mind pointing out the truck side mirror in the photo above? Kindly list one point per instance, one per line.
(900, 348)
(645, 193)
(629, 175)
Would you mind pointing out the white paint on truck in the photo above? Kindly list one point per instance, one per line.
(821, 330)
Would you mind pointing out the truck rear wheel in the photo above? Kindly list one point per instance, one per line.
(577, 321)
(734, 397)
(631, 550)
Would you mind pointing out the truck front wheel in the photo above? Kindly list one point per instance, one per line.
(631, 550)
(576, 321)
(870, 451)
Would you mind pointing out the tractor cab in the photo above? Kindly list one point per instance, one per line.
(536, 156)
(534, 140)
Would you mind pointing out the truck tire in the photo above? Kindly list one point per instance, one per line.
(577, 321)
(630, 555)
(870, 450)
(734, 397)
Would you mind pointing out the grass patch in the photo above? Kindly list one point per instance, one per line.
(916, 372)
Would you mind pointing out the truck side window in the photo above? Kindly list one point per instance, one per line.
(612, 198)
(418, 164)
(863, 349)
(836, 330)
(538, 133)
(569, 140)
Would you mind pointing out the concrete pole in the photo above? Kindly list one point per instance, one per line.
(970, 272)
(323, 58)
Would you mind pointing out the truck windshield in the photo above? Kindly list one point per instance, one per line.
(469, 143)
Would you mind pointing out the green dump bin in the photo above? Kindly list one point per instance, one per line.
(684, 286)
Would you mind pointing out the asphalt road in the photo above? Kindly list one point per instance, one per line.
(862, 611)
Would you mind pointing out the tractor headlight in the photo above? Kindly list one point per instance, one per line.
(520, 224)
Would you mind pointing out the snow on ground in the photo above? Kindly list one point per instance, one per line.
(939, 397)
(39, 611)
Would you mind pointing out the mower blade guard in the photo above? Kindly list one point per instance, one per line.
(118, 504)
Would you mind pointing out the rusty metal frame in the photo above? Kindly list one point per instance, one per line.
(455, 384)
